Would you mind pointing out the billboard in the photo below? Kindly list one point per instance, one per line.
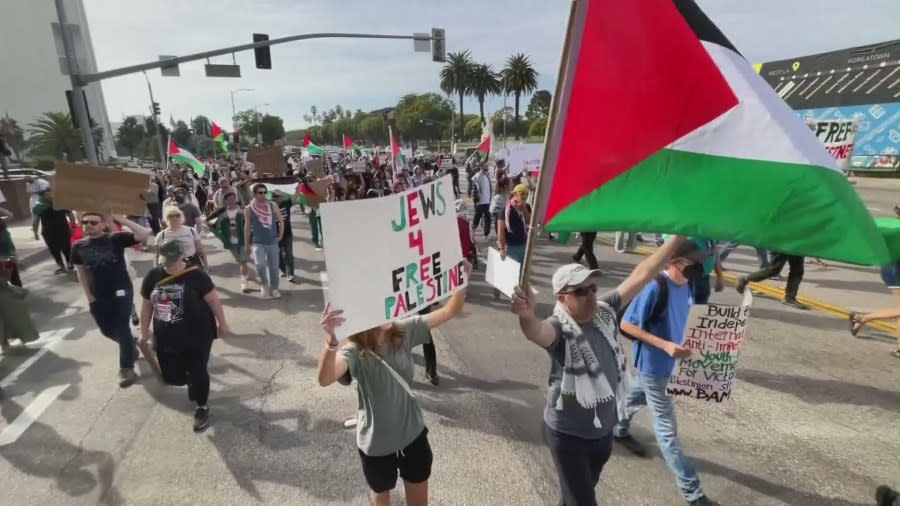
(860, 83)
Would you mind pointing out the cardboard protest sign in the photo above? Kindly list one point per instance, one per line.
(838, 136)
(357, 165)
(502, 274)
(391, 257)
(316, 167)
(268, 161)
(445, 161)
(715, 335)
(84, 187)
(524, 157)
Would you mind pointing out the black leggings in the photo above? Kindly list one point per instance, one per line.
(60, 247)
(586, 249)
(286, 254)
(578, 464)
(186, 366)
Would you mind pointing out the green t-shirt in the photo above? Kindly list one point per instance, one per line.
(7, 248)
(388, 419)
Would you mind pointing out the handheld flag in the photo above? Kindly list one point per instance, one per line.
(307, 139)
(182, 155)
(348, 143)
(721, 157)
(484, 149)
(218, 135)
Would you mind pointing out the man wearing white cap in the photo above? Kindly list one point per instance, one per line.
(587, 387)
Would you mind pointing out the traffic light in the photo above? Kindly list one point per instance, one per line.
(156, 108)
(438, 45)
(263, 56)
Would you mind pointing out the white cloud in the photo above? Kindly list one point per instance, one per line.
(368, 74)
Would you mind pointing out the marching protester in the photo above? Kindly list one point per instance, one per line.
(56, 229)
(482, 197)
(586, 249)
(188, 236)
(588, 378)
(185, 309)
(8, 249)
(225, 188)
(263, 230)
(35, 187)
(700, 287)
(99, 259)
(776, 264)
(512, 225)
(154, 206)
(890, 274)
(656, 319)
(228, 223)
(390, 433)
(286, 243)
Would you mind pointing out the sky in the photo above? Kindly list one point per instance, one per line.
(371, 74)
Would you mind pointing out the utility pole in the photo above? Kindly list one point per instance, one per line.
(155, 116)
(78, 101)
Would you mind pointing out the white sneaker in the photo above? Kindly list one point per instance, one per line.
(265, 293)
(244, 287)
(275, 294)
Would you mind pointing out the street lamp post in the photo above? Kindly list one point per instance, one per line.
(233, 112)
(256, 113)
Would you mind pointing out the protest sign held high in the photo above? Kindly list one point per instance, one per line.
(715, 335)
(838, 136)
(77, 186)
(268, 160)
(412, 254)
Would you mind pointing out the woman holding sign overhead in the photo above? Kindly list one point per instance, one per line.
(391, 434)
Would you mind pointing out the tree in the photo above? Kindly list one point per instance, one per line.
(181, 134)
(455, 78)
(473, 128)
(201, 125)
(53, 135)
(271, 128)
(422, 117)
(247, 125)
(483, 82)
(539, 107)
(538, 128)
(130, 135)
(14, 135)
(372, 129)
(520, 78)
(503, 119)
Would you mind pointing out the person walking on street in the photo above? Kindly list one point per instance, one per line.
(586, 250)
(228, 226)
(656, 319)
(482, 197)
(184, 307)
(263, 225)
(890, 274)
(588, 370)
(391, 434)
(154, 206)
(56, 229)
(99, 259)
(188, 236)
(777, 261)
(286, 244)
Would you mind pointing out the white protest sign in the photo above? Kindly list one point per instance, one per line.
(445, 161)
(502, 274)
(391, 257)
(357, 165)
(524, 157)
(715, 335)
(838, 136)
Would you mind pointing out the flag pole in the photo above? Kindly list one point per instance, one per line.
(551, 121)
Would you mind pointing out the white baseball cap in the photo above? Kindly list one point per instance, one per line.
(570, 275)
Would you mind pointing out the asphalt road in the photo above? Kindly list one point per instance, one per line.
(812, 420)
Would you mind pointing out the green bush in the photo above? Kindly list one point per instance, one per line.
(44, 163)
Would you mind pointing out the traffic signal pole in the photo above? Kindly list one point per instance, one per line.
(154, 112)
(78, 100)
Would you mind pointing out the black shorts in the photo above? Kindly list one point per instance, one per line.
(412, 462)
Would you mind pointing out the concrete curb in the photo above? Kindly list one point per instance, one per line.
(774, 291)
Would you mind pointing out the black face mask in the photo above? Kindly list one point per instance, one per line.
(693, 271)
(179, 199)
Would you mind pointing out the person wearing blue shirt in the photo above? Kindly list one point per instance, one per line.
(658, 336)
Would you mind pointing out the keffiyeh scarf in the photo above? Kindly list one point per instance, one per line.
(263, 212)
(582, 377)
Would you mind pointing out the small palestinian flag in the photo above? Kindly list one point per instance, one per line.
(660, 125)
(312, 149)
(484, 149)
(218, 135)
(182, 155)
(307, 139)
(349, 144)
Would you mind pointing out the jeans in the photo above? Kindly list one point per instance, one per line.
(60, 247)
(890, 274)
(286, 255)
(700, 289)
(578, 463)
(795, 274)
(761, 254)
(625, 240)
(651, 392)
(483, 210)
(587, 249)
(113, 315)
(266, 257)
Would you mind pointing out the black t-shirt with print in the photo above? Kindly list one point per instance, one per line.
(54, 222)
(104, 259)
(285, 208)
(181, 318)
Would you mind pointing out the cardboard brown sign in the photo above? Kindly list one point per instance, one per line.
(268, 161)
(84, 187)
(316, 167)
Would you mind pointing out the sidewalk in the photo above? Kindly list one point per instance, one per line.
(29, 251)
(834, 288)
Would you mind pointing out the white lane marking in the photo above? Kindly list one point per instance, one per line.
(48, 336)
(30, 414)
(69, 311)
(50, 339)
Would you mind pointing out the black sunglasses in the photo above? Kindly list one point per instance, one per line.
(90, 222)
(581, 291)
(260, 192)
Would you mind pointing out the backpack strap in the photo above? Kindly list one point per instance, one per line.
(396, 376)
(658, 311)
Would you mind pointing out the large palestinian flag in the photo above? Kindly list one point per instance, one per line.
(660, 125)
(182, 155)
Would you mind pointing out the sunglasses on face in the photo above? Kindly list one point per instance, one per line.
(90, 222)
(581, 291)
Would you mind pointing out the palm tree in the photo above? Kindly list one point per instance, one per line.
(520, 77)
(13, 134)
(54, 135)
(455, 78)
(484, 82)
